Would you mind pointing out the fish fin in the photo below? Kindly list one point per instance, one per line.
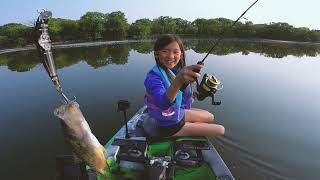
(103, 150)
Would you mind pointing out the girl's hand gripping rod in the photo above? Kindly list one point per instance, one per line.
(43, 44)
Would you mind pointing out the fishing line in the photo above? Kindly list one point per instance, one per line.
(224, 31)
(209, 83)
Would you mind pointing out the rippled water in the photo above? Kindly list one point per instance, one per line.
(269, 104)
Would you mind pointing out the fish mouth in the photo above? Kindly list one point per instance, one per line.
(70, 106)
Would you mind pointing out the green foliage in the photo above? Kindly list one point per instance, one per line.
(279, 31)
(245, 30)
(14, 62)
(13, 30)
(4, 41)
(143, 47)
(315, 35)
(101, 56)
(92, 25)
(63, 29)
(116, 25)
(14, 34)
(164, 25)
(98, 26)
(140, 29)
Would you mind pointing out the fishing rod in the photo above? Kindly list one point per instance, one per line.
(222, 33)
(209, 84)
(43, 44)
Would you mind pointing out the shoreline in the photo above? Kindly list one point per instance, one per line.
(98, 43)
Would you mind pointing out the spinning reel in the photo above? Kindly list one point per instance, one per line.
(208, 86)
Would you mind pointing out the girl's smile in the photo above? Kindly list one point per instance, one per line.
(170, 55)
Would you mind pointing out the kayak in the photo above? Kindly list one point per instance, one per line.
(144, 155)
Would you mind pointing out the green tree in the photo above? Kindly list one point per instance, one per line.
(191, 29)
(70, 30)
(181, 25)
(301, 34)
(55, 29)
(4, 41)
(201, 25)
(245, 30)
(261, 31)
(280, 30)
(92, 25)
(63, 29)
(140, 28)
(116, 25)
(315, 35)
(14, 34)
(164, 25)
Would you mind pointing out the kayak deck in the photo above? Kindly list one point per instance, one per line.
(201, 161)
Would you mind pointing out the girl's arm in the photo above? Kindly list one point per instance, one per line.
(186, 75)
(174, 89)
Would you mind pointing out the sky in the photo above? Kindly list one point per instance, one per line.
(299, 13)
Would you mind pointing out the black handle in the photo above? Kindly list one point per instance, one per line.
(215, 103)
(124, 105)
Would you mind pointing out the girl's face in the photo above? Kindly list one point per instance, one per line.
(170, 55)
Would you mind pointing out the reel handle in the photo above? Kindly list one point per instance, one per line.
(215, 103)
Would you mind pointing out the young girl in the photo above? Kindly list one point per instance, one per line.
(166, 103)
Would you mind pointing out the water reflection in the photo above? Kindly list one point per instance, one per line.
(268, 49)
(99, 56)
(269, 105)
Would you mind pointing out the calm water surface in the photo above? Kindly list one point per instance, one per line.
(269, 107)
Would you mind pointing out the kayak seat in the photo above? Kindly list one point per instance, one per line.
(152, 131)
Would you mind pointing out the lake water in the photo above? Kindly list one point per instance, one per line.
(270, 100)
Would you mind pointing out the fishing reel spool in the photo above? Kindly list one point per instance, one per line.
(208, 86)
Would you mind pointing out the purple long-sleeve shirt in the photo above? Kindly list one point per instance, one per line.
(156, 88)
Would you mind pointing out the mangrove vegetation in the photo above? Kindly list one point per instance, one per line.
(97, 26)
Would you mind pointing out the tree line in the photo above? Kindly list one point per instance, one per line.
(100, 56)
(114, 26)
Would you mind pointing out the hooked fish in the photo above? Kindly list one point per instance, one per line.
(77, 132)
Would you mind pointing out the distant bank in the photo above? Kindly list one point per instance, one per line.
(98, 43)
(96, 26)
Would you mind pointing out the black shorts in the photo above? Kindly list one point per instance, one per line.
(167, 131)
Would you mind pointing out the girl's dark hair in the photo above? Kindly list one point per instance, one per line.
(162, 42)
